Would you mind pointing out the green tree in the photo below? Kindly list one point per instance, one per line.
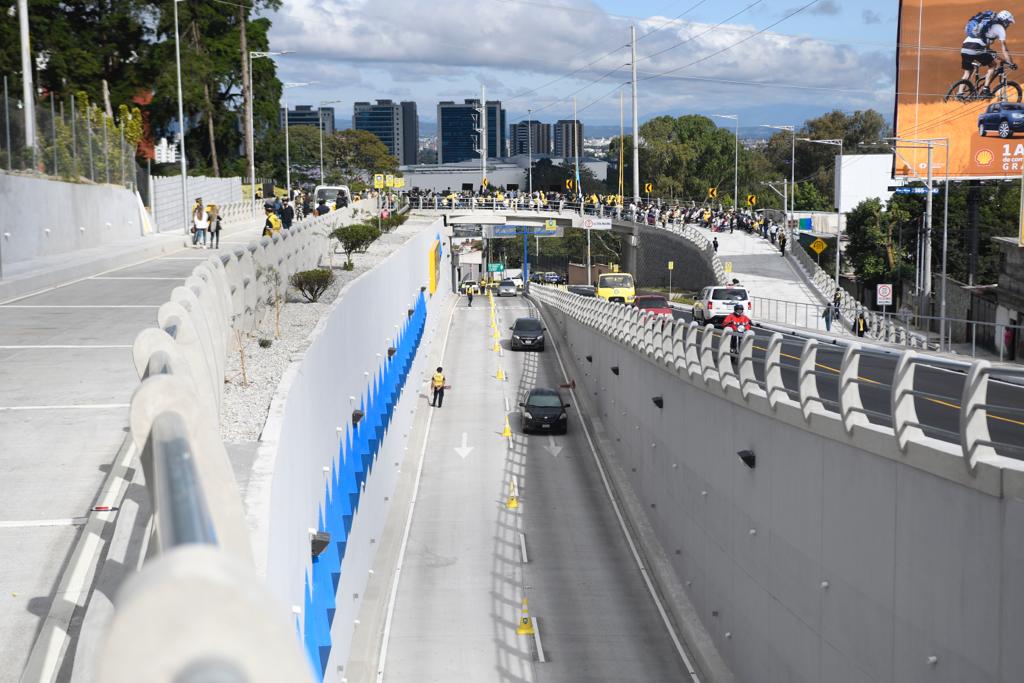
(356, 155)
(355, 238)
(551, 177)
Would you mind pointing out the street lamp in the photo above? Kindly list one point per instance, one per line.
(792, 171)
(929, 144)
(529, 151)
(320, 120)
(838, 197)
(181, 123)
(251, 133)
(736, 169)
(287, 150)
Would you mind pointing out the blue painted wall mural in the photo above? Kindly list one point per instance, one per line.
(357, 455)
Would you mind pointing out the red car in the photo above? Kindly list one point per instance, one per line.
(652, 303)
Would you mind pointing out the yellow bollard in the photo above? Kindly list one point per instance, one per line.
(525, 622)
(501, 374)
(507, 431)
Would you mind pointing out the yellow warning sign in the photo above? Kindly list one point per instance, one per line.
(751, 199)
(648, 187)
(712, 193)
(727, 266)
(378, 181)
(671, 265)
(819, 246)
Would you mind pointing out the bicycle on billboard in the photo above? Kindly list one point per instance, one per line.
(982, 32)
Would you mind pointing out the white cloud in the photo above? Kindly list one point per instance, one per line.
(447, 50)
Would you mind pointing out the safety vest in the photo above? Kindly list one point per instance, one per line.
(437, 381)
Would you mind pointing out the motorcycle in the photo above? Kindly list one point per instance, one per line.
(734, 342)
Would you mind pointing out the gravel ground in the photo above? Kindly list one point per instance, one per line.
(245, 406)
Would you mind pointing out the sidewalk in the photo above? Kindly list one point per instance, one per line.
(778, 292)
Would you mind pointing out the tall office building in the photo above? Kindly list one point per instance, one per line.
(308, 115)
(564, 139)
(410, 134)
(456, 131)
(530, 134)
(383, 119)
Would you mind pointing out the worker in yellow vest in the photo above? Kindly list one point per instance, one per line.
(438, 387)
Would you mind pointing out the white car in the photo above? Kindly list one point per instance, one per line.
(507, 288)
(715, 303)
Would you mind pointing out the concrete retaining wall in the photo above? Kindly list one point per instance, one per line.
(49, 217)
(308, 437)
(838, 557)
(167, 211)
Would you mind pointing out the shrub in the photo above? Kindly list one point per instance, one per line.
(312, 283)
(355, 238)
(264, 343)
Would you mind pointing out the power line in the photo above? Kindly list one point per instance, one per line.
(703, 33)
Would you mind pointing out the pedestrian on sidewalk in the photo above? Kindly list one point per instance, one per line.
(837, 298)
(860, 325)
(829, 316)
(437, 385)
(200, 222)
(782, 243)
(287, 214)
(469, 295)
(714, 243)
(215, 226)
(273, 223)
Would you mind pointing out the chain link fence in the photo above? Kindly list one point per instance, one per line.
(75, 139)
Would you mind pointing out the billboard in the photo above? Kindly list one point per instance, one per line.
(985, 130)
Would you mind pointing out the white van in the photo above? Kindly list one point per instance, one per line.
(715, 303)
(329, 193)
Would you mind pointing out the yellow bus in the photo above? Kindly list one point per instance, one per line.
(616, 287)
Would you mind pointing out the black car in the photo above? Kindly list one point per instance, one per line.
(528, 333)
(543, 411)
(1006, 118)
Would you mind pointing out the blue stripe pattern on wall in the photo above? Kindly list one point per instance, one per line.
(357, 454)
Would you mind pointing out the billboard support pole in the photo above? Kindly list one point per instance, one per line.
(945, 241)
(926, 284)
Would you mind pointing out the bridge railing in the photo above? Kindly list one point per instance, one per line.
(202, 572)
(705, 356)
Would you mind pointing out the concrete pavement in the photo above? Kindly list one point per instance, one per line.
(66, 376)
(464, 573)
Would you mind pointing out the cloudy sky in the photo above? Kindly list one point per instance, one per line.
(771, 61)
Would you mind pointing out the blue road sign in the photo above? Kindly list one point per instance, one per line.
(915, 190)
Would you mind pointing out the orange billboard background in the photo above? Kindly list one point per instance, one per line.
(928, 63)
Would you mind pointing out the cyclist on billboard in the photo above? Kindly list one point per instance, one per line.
(982, 30)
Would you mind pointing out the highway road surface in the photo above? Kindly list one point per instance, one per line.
(470, 560)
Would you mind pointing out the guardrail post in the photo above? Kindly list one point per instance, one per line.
(709, 372)
(747, 378)
(850, 403)
(807, 380)
(775, 388)
(904, 410)
(974, 431)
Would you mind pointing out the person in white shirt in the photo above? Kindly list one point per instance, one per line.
(978, 48)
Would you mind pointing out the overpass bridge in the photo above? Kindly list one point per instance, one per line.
(791, 512)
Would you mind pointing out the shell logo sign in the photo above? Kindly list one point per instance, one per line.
(984, 157)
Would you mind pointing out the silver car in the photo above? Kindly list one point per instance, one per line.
(507, 288)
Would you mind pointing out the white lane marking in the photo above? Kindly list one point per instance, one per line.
(676, 641)
(74, 584)
(553, 448)
(464, 450)
(522, 547)
(111, 277)
(79, 306)
(392, 598)
(87, 406)
(536, 640)
(24, 524)
(506, 404)
(11, 347)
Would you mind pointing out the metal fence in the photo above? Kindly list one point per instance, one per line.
(74, 139)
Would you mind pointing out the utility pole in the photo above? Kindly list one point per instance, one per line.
(483, 138)
(636, 125)
(926, 289)
(529, 148)
(27, 89)
(181, 124)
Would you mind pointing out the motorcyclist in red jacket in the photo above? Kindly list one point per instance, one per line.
(739, 323)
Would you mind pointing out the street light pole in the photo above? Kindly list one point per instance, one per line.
(320, 121)
(636, 125)
(736, 151)
(252, 105)
(838, 198)
(27, 89)
(529, 150)
(791, 210)
(181, 123)
(287, 149)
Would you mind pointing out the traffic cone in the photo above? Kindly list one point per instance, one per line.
(525, 622)
(501, 374)
(497, 347)
(507, 431)
(513, 502)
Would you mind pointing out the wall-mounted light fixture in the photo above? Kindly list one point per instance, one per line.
(357, 415)
(615, 369)
(659, 401)
(590, 359)
(392, 351)
(748, 458)
(319, 542)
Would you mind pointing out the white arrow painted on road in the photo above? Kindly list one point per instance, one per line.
(464, 450)
(552, 447)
